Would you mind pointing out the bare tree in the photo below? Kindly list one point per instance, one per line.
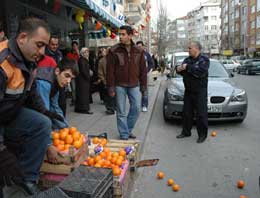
(162, 23)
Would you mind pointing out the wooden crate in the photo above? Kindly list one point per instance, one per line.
(66, 168)
(121, 182)
(116, 145)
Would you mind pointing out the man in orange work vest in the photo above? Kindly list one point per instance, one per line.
(24, 121)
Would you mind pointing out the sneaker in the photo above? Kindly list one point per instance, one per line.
(144, 109)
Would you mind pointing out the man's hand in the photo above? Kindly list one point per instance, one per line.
(111, 92)
(53, 115)
(181, 68)
(52, 154)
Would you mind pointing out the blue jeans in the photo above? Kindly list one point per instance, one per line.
(33, 130)
(126, 123)
(144, 102)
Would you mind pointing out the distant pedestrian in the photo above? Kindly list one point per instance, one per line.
(149, 67)
(194, 70)
(126, 76)
(83, 83)
(53, 51)
(73, 54)
(155, 60)
(102, 73)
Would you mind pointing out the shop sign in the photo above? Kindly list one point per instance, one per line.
(227, 52)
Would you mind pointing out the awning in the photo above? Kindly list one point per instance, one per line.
(98, 12)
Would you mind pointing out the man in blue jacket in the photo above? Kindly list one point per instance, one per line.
(194, 70)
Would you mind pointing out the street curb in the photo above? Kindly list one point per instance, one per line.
(143, 123)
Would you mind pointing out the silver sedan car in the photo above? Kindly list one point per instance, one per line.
(225, 100)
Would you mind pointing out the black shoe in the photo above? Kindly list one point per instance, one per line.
(83, 111)
(201, 139)
(89, 112)
(30, 188)
(182, 136)
(123, 138)
(110, 112)
(132, 136)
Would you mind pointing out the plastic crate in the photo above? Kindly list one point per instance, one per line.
(51, 193)
(89, 182)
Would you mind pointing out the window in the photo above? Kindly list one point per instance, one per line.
(252, 40)
(258, 39)
(252, 24)
(253, 9)
(237, 27)
(258, 5)
(244, 10)
(213, 27)
(258, 21)
(213, 18)
(237, 13)
(206, 27)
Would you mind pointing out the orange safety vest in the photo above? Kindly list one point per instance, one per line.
(15, 78)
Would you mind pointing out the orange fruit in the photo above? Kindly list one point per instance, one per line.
(97, 166)
(97, 158)
(106, 150)
(113, 160)
(109, 157)
(68, 139)
(213, 133)
(175, 187)
(107, 164)
(72, 130)
(118, 162)
(160, 175)
(77, 144)
(62, 142)
(63, 135)
(75, 136)
(120, 157)
(56, 142)
(103, 154)
(240, 184)
(115, 154)
(60, 147)
(95, 140)
(122, 152)
(170, 182)
(242, 196)
(91, 161)
(116, 171)
(55, 135)
(103, 142)
(66, 147)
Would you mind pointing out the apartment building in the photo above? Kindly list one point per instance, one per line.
(240, 29)
(204, 26)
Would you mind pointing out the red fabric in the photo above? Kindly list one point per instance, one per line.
(73, 56)
(47, 61)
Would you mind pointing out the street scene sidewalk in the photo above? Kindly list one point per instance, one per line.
(100, 122)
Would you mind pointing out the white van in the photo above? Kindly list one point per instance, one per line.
(178, 57)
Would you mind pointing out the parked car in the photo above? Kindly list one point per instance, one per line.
(225, 100)
(230, 65)
(250, 66)
(178, 58)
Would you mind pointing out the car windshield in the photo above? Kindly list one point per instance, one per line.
(216, 70)
(180, 58)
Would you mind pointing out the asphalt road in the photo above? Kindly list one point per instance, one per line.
(208, 170)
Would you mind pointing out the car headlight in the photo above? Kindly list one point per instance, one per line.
(174, 96)
(238, 96)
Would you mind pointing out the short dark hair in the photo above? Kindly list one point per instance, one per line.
(31, 24)
(66, 64)
(74, 42)
(140, 42)
(54, 36)
(127, 28)
(197, 44)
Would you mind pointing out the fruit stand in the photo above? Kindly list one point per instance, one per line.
(94, 153)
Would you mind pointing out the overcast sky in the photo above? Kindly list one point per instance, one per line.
(175, 8)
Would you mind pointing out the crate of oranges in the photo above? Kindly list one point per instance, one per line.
(116, 146)
(72, 149)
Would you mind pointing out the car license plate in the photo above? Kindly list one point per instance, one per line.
(214, 109)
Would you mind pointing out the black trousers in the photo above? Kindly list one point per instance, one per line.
(109, 101)
(62, 100)
(195, 104)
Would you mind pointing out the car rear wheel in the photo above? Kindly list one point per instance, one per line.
(165, 117)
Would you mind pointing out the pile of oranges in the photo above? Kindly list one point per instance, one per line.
(67, 137)
(106, 158)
